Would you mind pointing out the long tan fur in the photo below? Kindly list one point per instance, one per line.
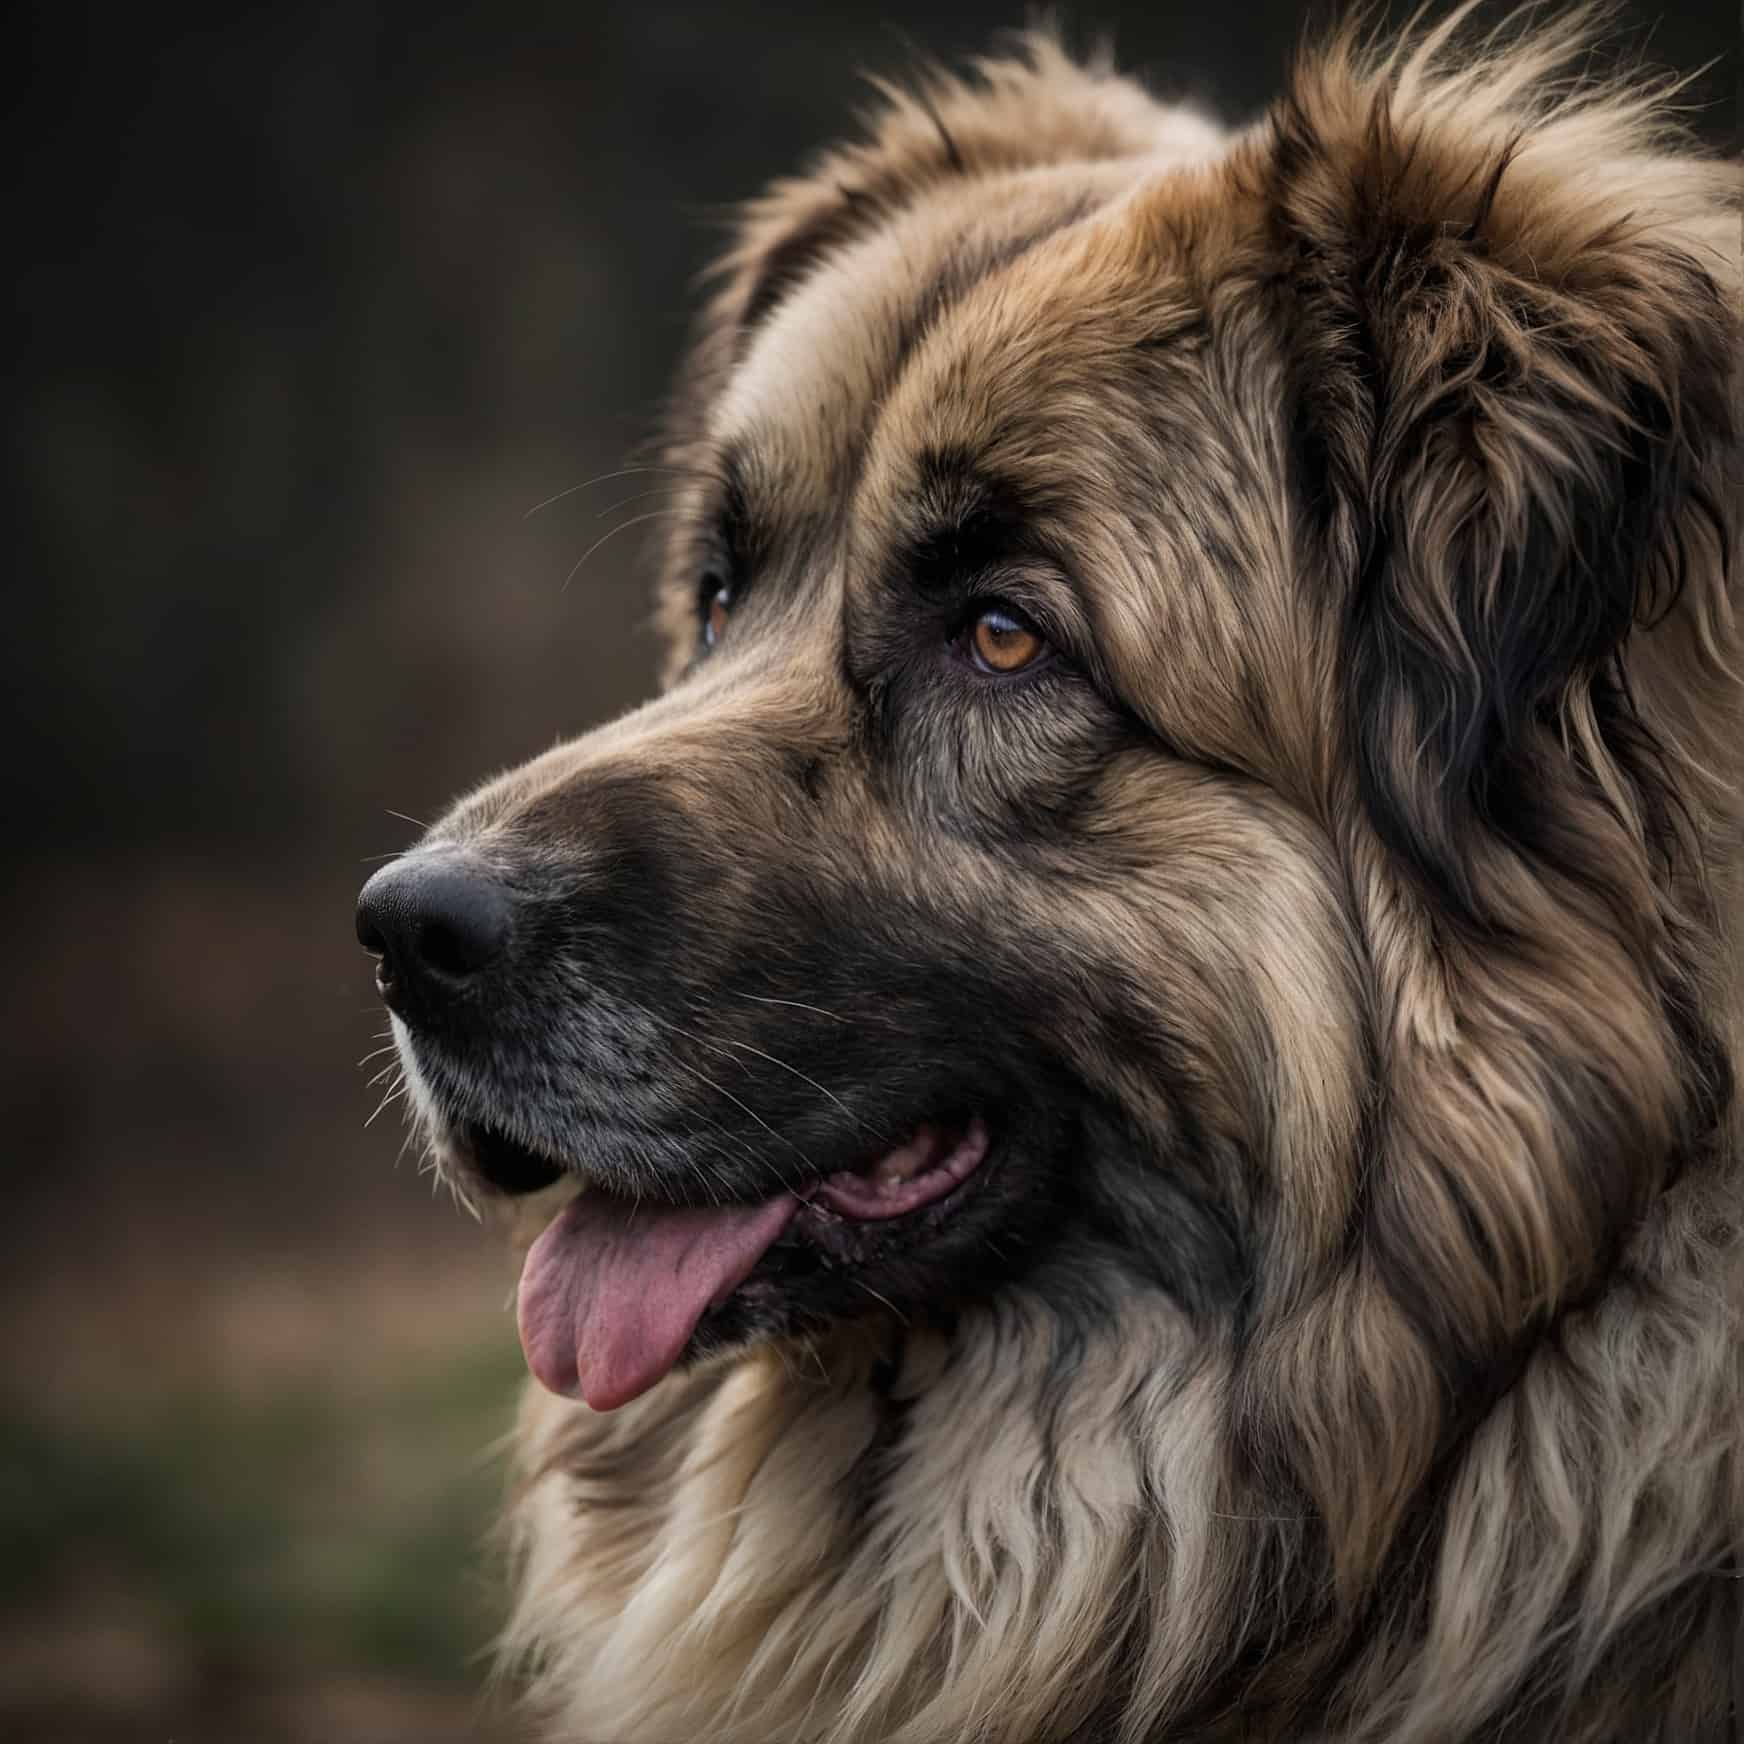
(1442, 340)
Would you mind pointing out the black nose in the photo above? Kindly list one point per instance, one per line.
(437, 921)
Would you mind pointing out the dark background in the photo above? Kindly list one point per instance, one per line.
(313, 307)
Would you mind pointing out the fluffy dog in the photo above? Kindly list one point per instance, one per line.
(1147, 1026)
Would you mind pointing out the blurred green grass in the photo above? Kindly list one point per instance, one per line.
(314, 1533)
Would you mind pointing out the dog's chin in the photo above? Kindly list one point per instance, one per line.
(640, 1271)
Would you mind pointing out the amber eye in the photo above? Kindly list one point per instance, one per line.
(719, 609)
(1002, 642)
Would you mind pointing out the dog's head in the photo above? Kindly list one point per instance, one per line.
(1163, 793)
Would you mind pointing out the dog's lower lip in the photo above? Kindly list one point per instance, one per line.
(930, 1164)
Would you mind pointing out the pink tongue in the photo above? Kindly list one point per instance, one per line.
(611, 1292)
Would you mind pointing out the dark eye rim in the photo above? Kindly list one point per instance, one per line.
(963, 644)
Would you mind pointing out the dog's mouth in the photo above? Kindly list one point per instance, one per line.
(615, 1287)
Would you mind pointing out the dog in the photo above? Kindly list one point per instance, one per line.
(1129, 1074)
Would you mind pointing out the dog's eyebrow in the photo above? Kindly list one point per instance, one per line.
(734, 524)
(967, 519)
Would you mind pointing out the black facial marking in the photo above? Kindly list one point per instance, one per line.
(969, 520)
(966, 530)
(753, 1028)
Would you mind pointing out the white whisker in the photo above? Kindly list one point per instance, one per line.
(604, 478)
(797, 1004)
(640, 497)
(721, 1089)
(623, 526)
(727, 1042)
(394, 1094)
(882, 1298)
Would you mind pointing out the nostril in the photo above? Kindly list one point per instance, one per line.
(451, 952)
(459, 922)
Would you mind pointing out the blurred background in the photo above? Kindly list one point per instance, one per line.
(326, 318)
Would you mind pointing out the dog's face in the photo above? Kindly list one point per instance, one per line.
(956, 895)
(1123, 581)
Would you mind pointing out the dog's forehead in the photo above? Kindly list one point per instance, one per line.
(804, 401)
(806, 405)
(1050, 334)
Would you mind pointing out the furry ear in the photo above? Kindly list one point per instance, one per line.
(1513, 312)
(1515, 378)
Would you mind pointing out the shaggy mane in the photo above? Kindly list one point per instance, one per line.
(1467, 1462)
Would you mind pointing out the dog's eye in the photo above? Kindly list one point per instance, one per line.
(1000, 640)
(717, 608)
